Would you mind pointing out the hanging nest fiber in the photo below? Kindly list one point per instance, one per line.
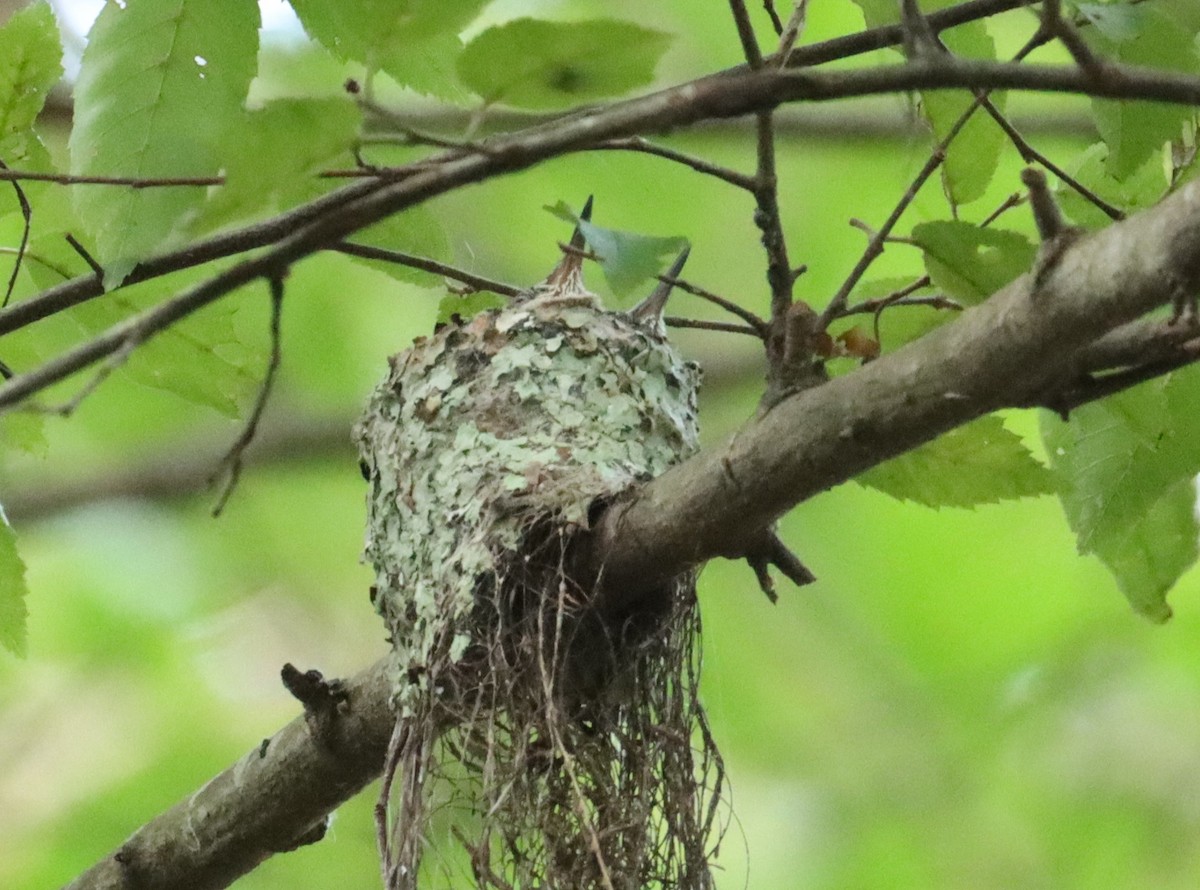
(544, 740)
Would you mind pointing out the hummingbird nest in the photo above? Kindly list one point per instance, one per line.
(543, 739)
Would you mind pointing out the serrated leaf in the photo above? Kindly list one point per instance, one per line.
(30, 64)
(160, 82)
(272, 155)
(1142, 188)
(13, 614)
(415, 231)
(628, 260)
(540, 64)
(980, 463)
(1149, 556)
(1134, 131)
(974, 153)
(1117, 460)
(970, 263)
(200, 358)
(414, 41)
(467, 306)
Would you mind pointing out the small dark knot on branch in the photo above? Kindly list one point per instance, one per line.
(323, 700)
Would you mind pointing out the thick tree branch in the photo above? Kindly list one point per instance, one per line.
(268, 802)
(1016, 346)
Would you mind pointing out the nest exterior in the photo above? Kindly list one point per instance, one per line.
(542, 740)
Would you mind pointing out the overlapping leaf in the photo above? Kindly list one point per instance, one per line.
(540, 64)
(30, 64)
(1122, 463)
(160, 82)
(414, 41)
(974, 153)
(970, 263)
(271, 156)
(628, 259)
(980, 463)
(1157, 37)
(12, 592)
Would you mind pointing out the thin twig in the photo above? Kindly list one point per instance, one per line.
(85, 255)
(639, 144)
(695, 290)
(1031, 155)
(26, 225)
(745, 30)
(675, 321)
(425, 264)
(791, 33)
(776, 23)
(137, 182)
(232, 462)
(875, 246)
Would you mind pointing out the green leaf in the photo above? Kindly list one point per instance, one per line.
(272, 154)
(467, 306)
(1117, 460)
(1116, 22)
(970, 263)
(414, 41)
(974, 154)
(13, 614)
(627, 259)
(1154, 550)
(540, 64)
(201, 358)
(23, 432)
(30, 64)
(980, 463)
(160, 82)
(1134, 131)
(1142, 188)
(415, 231)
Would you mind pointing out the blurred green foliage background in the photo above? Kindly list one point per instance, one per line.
(960, 701)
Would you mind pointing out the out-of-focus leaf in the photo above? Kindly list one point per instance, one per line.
(1134, 131)
(627, 258)
(1115, 21)
(467, 306)
(30, 64)
(540, 64)
(199, 359)
(414, 41)
(980, 463)
(970, 263)
(974, 153)
(160, 82)
(415, 231)
(271, 155)
(1119, 461)
(13, 591)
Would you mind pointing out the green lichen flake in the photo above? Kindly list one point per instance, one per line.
(521, 416)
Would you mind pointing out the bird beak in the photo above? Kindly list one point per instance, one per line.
(571, 265)
(650, 310)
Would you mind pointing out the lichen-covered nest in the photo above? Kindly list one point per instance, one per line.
(544, 741)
